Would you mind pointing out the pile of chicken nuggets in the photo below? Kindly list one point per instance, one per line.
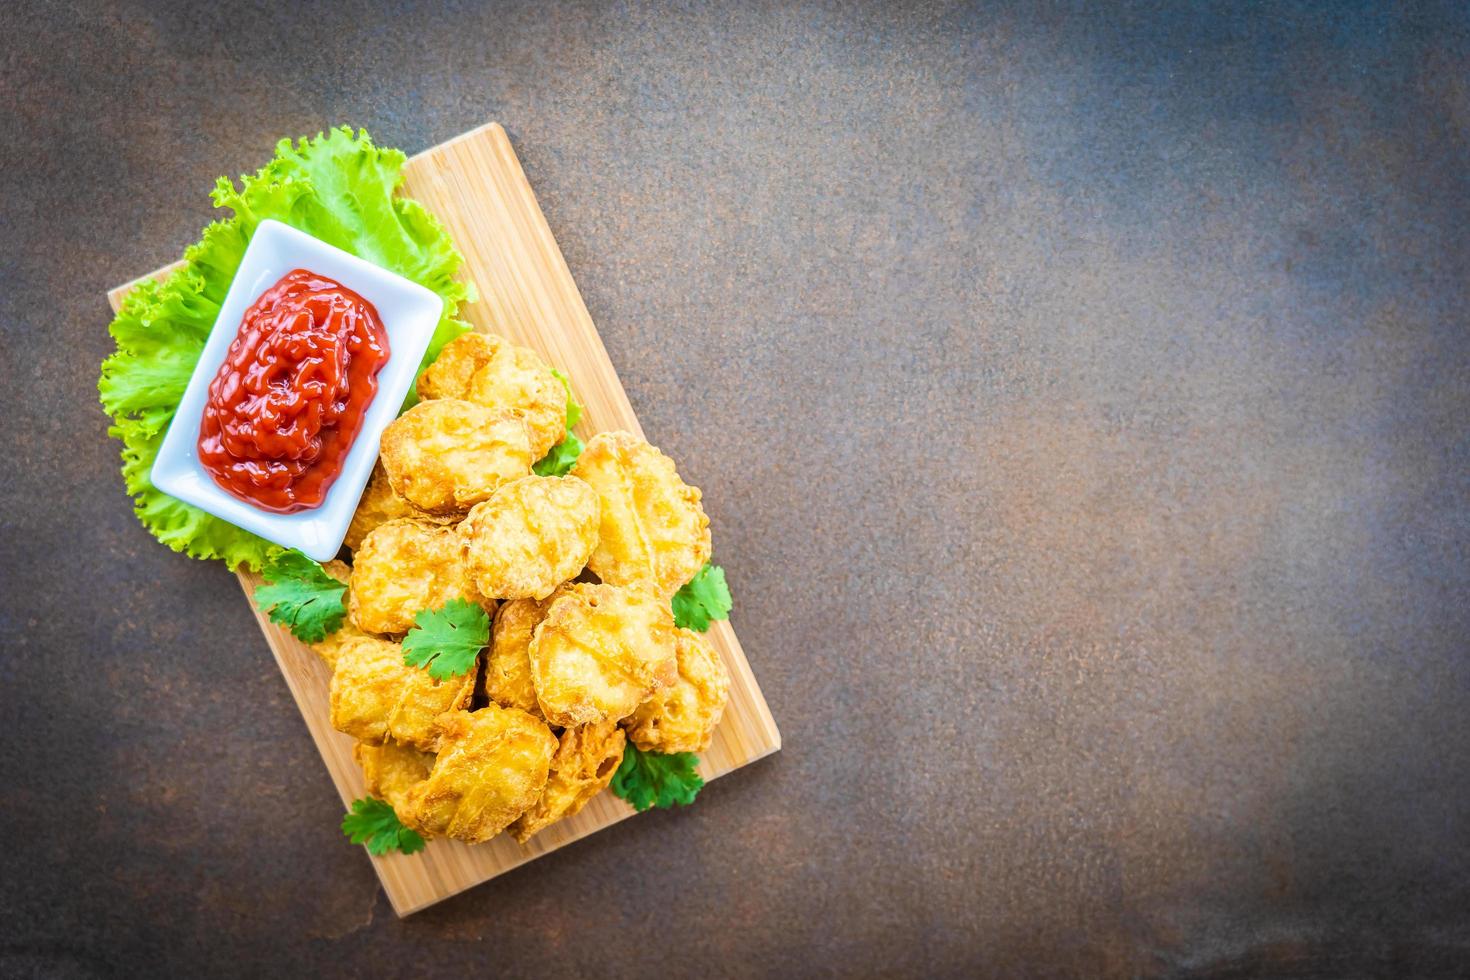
(577, 572)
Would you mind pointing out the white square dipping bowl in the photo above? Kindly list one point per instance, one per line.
(409, 313)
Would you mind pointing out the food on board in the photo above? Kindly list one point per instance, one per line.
(683, 718)
(446, 455)
(654, 533)
(532, 535)
(483, 498)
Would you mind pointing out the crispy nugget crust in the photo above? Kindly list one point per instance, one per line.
(493, 372)
(446, 455)
(331, 648)
(339, 570)
(532, 535)
(375, 696)
(601, 651)
(449, 376)
(684, 717)
(379, 505)
(492, 766)
(404, 567)
(586, 760)
(508, 664)
(391, 770)
(653, 533)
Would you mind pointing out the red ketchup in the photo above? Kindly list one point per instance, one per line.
(289, 398)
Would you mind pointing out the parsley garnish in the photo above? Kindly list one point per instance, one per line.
(648, 779)
(558, 462)
(447, 640)
(373, 822)
(702, 598)
(300, 596)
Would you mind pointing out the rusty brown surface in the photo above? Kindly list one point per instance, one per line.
(1092, 482)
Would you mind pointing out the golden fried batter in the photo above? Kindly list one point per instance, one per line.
(449, 376)
(654, 533)
(446, 455)
(331, 647)
(379, 505)
(404, 567)
(532, 535)
(601, 651)
(495, 373)
(584, 764)
(328, 648)
(491, 768)
(375, 696)
(508, 664)
(683, 718)
(391, 770)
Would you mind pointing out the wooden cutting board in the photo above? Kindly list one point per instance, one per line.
(475, 185)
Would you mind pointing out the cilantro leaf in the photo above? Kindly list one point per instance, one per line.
(300, 596)
(558, 462)
(446, 641)
(339, 188)
(648, 779)
(702, 598)
(373, 822)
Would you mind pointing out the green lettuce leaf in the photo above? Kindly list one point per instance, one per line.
(574, 407)
(558, 461)
(561, 458)
(338, 187)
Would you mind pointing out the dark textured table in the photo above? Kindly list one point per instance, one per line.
(1089, 460)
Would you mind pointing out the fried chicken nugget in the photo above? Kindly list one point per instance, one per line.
(449, 376)
(585, 762)
(601, 651)
(404, 567)
(329, 647)
(379, 505)
(654, 533)
(446, 455)
(493, 372)
(683, 718)
(508, 664)
(532, 535)
(375, 696)
(491, 768)
(391, 770)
